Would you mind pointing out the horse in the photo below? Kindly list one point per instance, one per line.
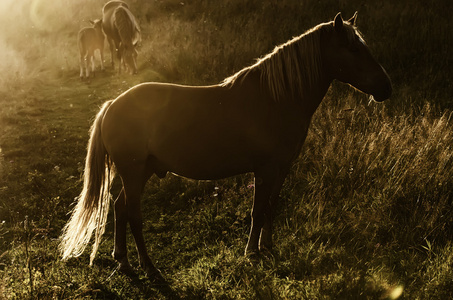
(90, 39)
(253, 121)
(123, 34)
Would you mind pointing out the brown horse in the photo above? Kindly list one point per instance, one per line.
(123, 33)
(90, 39)
(254, 121)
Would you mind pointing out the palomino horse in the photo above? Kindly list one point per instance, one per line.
(254, 121)
(123, 33)
(90, 39)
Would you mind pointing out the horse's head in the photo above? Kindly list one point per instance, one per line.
(347, 58)
(97, 24)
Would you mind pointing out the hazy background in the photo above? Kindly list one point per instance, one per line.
(202, 42)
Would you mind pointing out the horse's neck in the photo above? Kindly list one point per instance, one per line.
(313, 97)
(305, 105)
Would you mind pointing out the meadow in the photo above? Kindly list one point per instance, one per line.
(366, 212)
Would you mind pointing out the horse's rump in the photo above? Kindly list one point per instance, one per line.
(112, 4)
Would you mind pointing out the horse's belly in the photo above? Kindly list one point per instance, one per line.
(205, 165)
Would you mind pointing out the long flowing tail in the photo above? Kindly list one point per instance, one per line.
(90, 212)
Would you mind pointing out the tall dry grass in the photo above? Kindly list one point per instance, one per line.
(367, 165)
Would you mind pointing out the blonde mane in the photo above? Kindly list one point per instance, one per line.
(291, 68)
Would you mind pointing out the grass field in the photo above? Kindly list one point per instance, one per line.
(366, 213)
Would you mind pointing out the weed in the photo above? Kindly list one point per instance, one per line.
(28, 259)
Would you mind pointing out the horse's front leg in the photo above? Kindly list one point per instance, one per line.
(120, 251)
(265, 243)
(265, 181)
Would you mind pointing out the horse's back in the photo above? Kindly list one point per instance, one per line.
(86, 39)
(111, 5)
(149, 102)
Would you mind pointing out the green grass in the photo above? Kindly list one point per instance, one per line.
(366, 212)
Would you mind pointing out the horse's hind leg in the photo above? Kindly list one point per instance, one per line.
(93, 69)
(83, 64)
(112, 50)
(81, 61)
(101, 53)
(120, 58)
(134, 183)
(120, 251)
(87, 65)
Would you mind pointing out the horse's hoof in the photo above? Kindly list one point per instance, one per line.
(127, 270)
(253, 256)
(266, 253)
(155, 276)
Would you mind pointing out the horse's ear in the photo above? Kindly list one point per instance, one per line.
(338, 21)
(353, 19)
(91, 22)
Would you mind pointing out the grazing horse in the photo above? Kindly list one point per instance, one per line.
(90, 39)
(254, 121)
(123, 33)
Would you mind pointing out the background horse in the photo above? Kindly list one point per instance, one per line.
(123, 33)
(254, 121)
(90, 39)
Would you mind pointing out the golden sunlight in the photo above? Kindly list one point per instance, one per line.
(46, 15)
(396, 292)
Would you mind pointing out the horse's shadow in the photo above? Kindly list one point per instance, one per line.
(147, 286)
